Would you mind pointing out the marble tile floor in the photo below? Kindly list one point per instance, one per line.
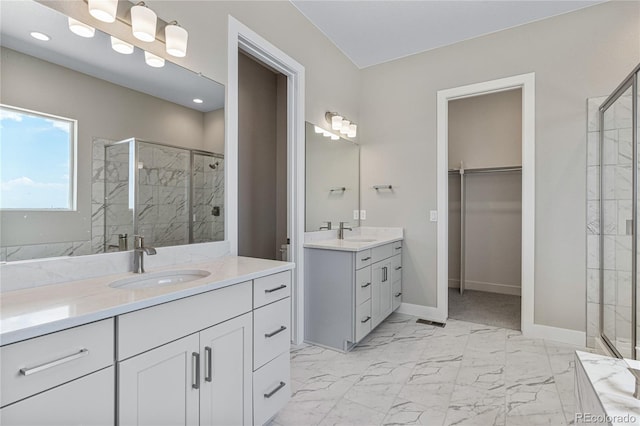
(405, 373)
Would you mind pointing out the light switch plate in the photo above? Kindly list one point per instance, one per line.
(356, 214)
(363, 215)
(433, 215)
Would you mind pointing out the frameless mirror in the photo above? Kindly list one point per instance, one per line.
(96, 145)
(332, 180)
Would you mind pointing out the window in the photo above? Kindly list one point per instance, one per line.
(37, 167)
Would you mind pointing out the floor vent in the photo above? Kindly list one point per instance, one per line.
(427, 322)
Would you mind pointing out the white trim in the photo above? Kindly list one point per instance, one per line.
(563, 335)
(510, 289)
(527, 83)
(425, 312)
(241, 37)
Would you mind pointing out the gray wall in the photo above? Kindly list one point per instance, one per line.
(574, 56)
(214, 131)
(103, 110)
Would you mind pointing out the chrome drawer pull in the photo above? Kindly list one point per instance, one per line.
(195, 370)
(398, 268)
(364, 259)
(366, 285)
(399, 248)
(271, 290)
(365, 320)
(273, 333)
(270, 394)
(28, 371)
(399, 294)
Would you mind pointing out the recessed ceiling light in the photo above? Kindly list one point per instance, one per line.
(198, 101)
(40, 36)
(80, 28)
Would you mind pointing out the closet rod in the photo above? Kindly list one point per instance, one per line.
(489, 170)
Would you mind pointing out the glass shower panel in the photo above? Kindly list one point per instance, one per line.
(617, 223)
(118, 210)
(208, 198)
(162, 206)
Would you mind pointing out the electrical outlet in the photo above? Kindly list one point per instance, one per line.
(363, 215)
(356, 214)
(433, 215)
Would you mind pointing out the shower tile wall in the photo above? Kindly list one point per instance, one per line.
(208, 193)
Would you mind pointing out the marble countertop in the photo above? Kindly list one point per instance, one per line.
(359, 239)
(37, 311)
(613, 384)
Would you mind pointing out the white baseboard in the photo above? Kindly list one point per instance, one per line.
(488, 287)
(562, 335)
(425, 312)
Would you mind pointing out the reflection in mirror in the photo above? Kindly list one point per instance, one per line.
(332, 180)
(138, 156)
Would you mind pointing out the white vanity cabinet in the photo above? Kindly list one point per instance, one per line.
(63, 378)
(349, 293)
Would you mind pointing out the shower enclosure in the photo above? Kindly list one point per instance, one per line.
(619, 210)
(170, 195)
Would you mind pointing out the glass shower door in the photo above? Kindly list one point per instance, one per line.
(617, 222)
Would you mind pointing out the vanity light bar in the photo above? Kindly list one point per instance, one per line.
(340, 123)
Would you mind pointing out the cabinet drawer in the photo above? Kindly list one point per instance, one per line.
(41, 363)
(176, 319)
(271, 331)
(271, 389)
(363, 285)
(86, 401)
(397, 294)
(271, 288)
(396, 268)
(363, 258)
(382, 252)
(363, 320)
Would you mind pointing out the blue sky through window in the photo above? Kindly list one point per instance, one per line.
(35, 156)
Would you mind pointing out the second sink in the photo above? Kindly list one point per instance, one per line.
(159, 279)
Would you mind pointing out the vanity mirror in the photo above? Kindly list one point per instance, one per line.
(126, 147)
(332, 180)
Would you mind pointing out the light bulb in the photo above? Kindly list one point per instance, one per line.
(176, 40)
(344, 128)
(352, 130)
(121, 46)
(103, 10)
(143, 23)
(153, 60)
(336, 122)
(81, 29)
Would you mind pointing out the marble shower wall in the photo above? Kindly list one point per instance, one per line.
(208, 198)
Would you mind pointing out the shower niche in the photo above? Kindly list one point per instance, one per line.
(170, 195)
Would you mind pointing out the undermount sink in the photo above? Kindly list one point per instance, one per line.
(360, 240)
(159, 279)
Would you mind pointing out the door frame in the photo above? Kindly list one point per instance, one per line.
(526, 82)
(240, 37)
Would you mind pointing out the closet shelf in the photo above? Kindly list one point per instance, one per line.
(488, 170)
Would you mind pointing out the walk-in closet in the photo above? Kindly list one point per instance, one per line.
(485, 208)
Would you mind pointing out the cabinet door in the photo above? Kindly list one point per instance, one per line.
(377, 275)
(85, 401)
(386, 290)
(225, 394)
(160, 387)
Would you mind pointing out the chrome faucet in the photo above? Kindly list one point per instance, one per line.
(328, 227)
(138, 253)
(341, 230)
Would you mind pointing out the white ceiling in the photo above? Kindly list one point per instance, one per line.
(373, 32)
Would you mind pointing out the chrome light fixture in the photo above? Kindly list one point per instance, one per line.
(176, 39)
(153, 60)
(103, 10)
(143, 22)
(81, 29)
(121, 46)
(340, 123)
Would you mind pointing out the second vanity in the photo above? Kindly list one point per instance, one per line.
(351, 284)
(212, 351)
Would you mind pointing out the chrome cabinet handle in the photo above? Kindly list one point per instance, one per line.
(273, 392)
(364, 259)
(28, 371)
(208, 376)
(384, 273)
(365, 285)
(398, 294)
(399, 248)
(273, 333)
(365, 320)
(195, 370)
(398, 268)
(271, 290)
